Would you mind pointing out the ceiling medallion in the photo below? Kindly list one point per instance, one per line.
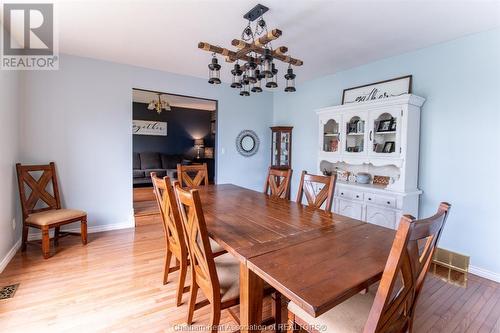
(255, 50)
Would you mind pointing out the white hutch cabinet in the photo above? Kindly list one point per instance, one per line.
(381, 138)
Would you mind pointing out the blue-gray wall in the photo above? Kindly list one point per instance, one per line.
(183, 126)
(80, 116)
(460, 141)
(10, 117)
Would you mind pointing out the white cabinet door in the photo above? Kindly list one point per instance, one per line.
(330, 134)
(350, 209)
(385, 130)
(383, 217)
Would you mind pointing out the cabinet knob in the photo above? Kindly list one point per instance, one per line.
(370, 199)
(357, 196)
(388, 202)
(341, 193)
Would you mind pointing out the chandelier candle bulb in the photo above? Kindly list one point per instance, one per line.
(290, 80)
(257, 85)
(245, 90)
(272, 82)
(214, 71)
(236, 76)
(250, 70)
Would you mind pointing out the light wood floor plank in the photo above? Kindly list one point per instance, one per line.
(114, 284)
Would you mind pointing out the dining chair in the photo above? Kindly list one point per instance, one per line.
(316, 197)
(174, 234)
(392, 307)
(192, 175)
(278, 183)
(216, 277)
(41, 205)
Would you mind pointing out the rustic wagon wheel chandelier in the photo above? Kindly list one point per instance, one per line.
(256, 51)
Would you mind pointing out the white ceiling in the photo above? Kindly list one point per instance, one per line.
(143, 96)
(328, 35)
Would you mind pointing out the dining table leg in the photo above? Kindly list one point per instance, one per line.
(251, 296)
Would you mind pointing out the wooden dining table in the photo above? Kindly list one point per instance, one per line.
(316, 259)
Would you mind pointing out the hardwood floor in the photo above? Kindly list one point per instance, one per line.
(114, 284)
(145, 207)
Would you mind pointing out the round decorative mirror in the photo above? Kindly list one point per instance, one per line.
(247, 143)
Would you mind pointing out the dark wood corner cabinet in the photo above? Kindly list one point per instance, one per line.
(281, 147)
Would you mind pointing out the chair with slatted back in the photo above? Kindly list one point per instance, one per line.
(278, 183)
(217, 277)
(317, 196)
(41, 205)
(192, 175)
(174, 234)
(392, 308)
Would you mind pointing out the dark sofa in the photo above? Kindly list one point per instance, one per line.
(162, 164)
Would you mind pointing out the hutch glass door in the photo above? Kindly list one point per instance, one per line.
(355, 133)
(331, 135)
(385, 127)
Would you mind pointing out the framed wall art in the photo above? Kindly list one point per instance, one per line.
(378, 90)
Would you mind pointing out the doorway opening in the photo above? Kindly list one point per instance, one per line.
(168, 129)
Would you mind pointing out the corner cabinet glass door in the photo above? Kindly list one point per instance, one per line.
(281, 147)
(385, 132)
(330, 137)
(355, 133)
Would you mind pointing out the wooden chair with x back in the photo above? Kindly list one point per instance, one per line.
(392, 308)
(174, 235)
(278, 183)
(192, 175)
(175, 245)
(41, 205)
(315, 196)
(216, 276)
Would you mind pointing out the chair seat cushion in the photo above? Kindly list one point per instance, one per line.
(49, 217)
(215, 246)
(228, 271)
(347, 317)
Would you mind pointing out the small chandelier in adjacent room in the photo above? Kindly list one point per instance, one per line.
(254, 48)
(290, 80)
(159, 105)
(214, 71)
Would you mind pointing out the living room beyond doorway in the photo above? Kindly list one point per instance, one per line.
(168, 130)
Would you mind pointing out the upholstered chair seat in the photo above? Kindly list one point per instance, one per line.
(228, 271)
(347, 317)
(55, 216)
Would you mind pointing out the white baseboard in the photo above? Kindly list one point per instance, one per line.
(484, 273)
(36, 235)
(8, 257)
